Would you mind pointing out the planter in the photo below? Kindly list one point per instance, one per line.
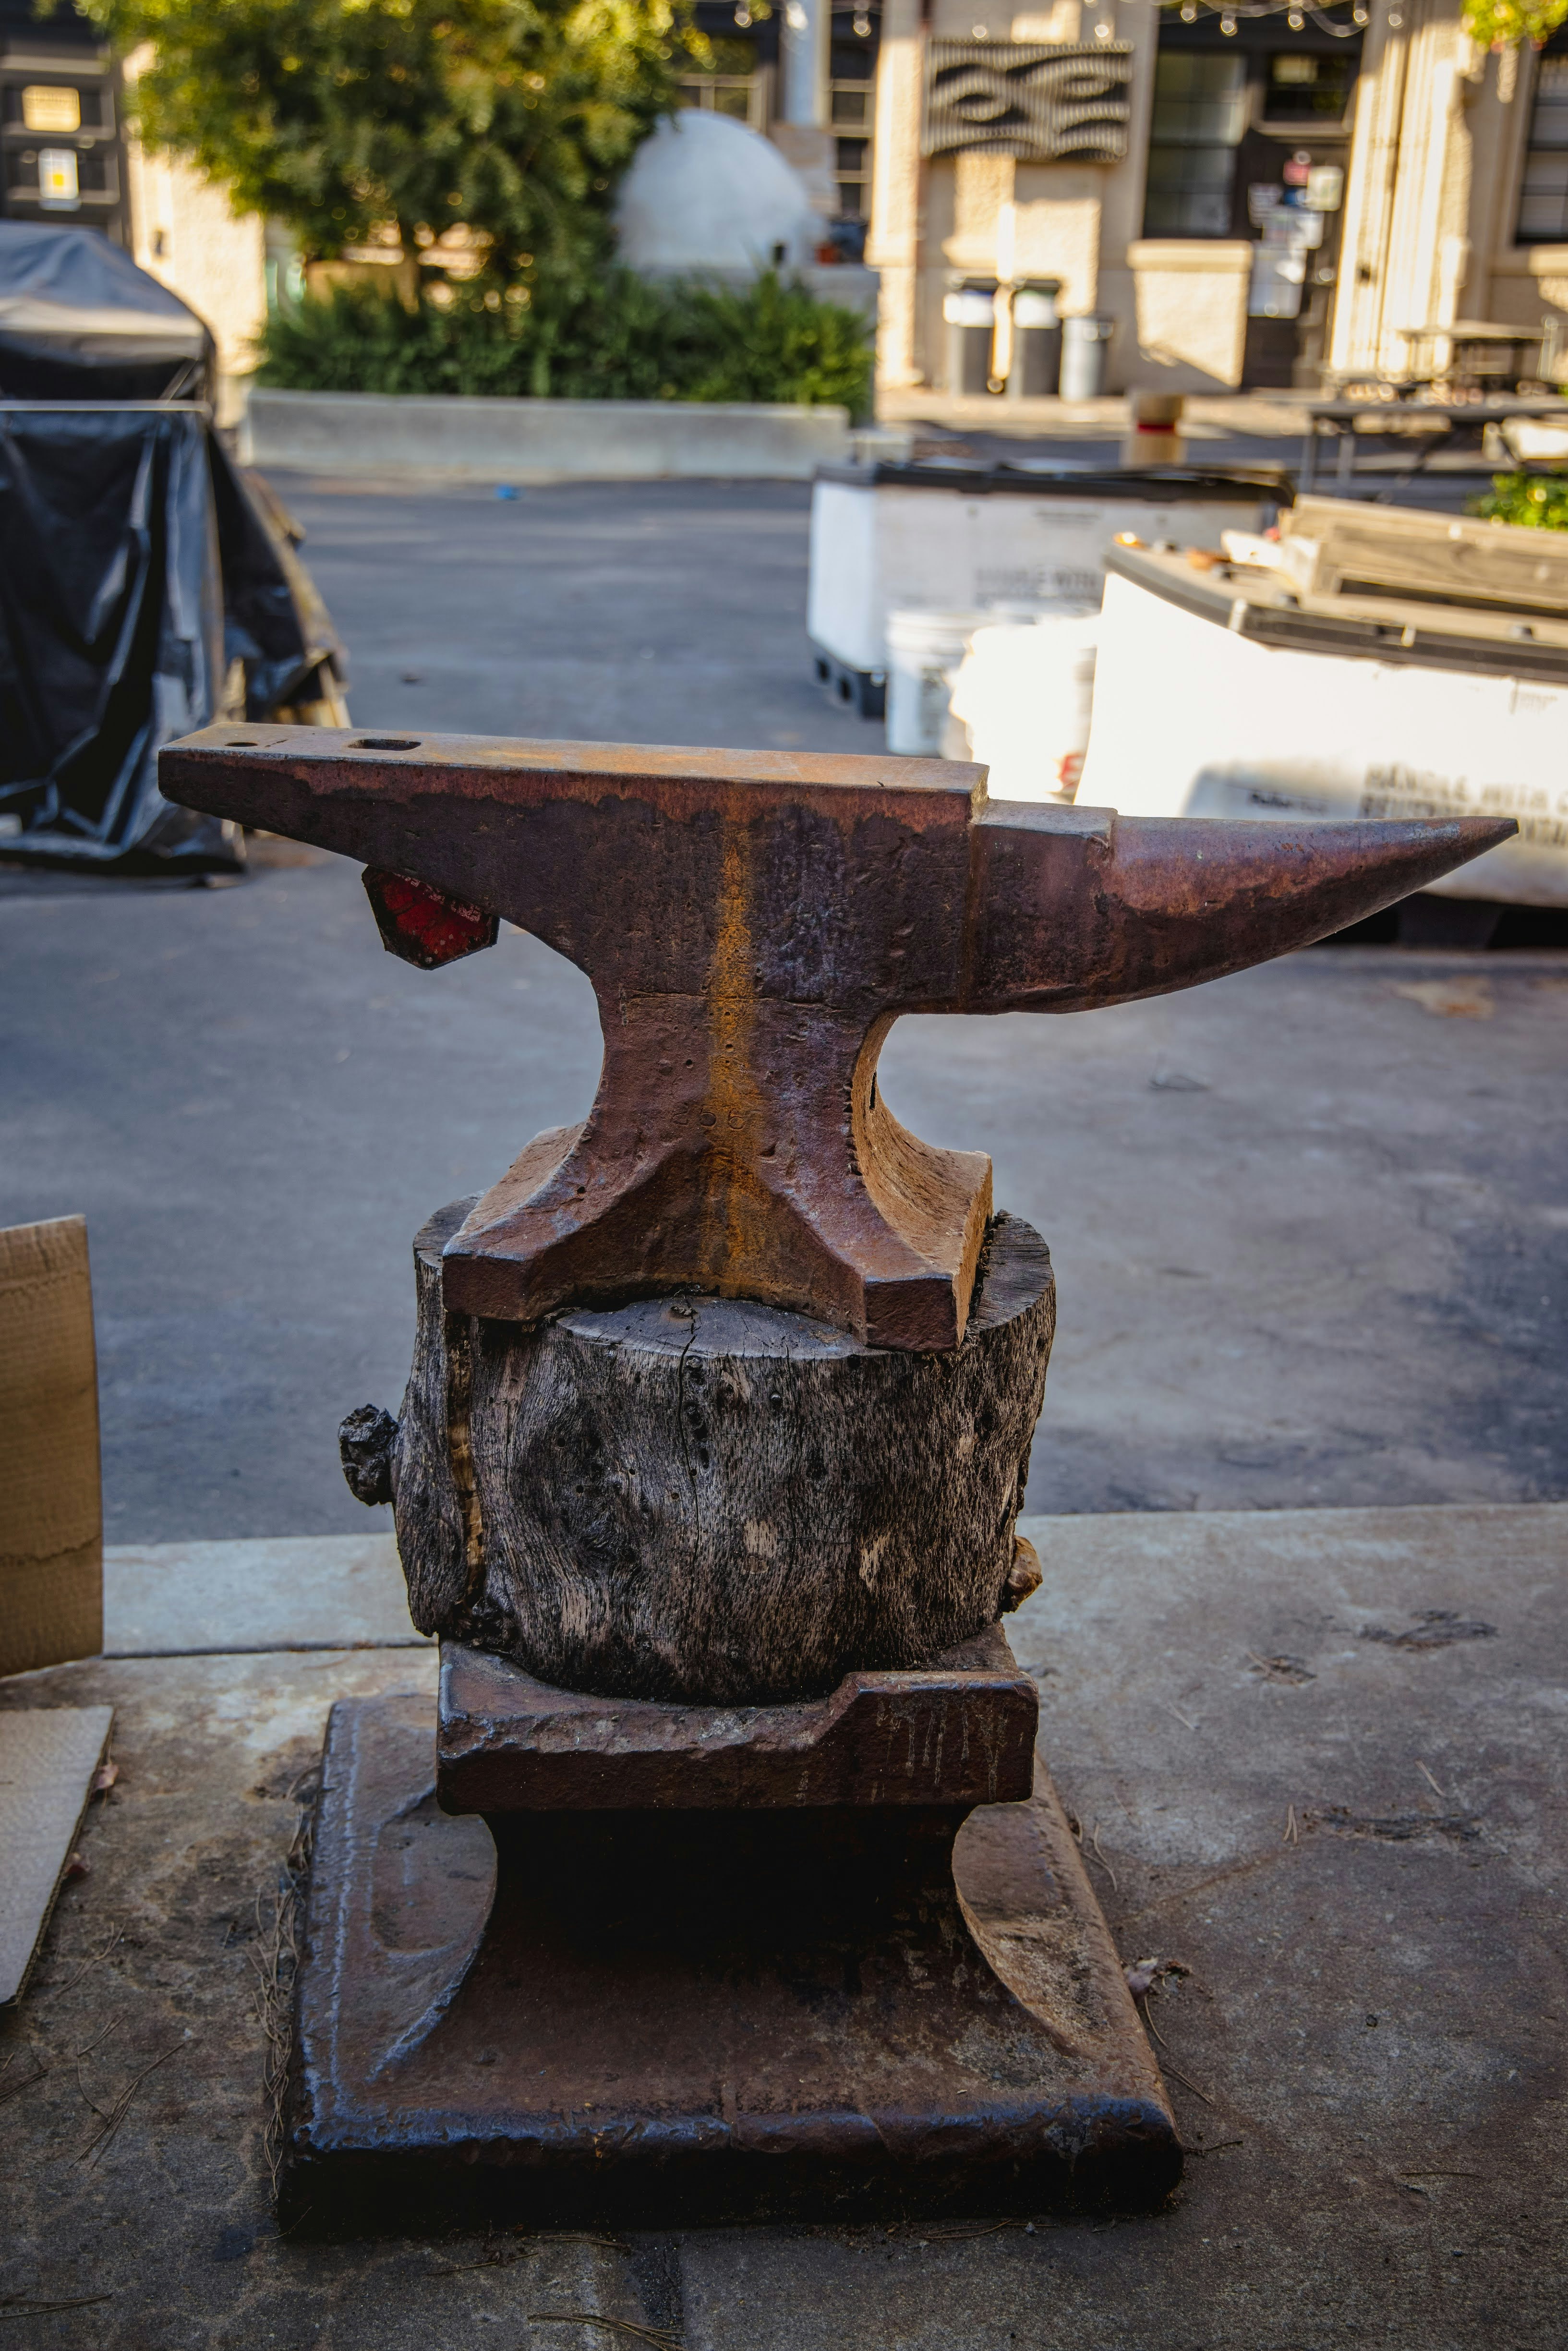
(540, 440)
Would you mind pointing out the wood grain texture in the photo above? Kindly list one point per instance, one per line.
(1335, 547)
(704, 1498)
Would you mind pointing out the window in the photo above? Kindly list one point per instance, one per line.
(851, 107)
(1200, 113)
(46, 107)
(737, 95)
(1309, 93)
(1543, 198)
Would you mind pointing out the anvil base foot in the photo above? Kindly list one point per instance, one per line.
(663, 2018)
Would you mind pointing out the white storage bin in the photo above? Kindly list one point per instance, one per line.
(943, 539)
(1334, 714)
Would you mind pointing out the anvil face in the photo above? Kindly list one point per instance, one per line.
(752, 925)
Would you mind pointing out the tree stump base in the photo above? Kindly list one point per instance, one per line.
(700, 1498)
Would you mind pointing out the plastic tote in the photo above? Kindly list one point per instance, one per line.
(1209, 703)
(946, 538)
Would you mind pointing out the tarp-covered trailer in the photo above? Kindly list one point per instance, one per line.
(148, 585)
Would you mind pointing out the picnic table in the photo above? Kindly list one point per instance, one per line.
(1479, 354)
(1374, 429)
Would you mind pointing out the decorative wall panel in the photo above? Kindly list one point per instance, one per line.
(1040, 101)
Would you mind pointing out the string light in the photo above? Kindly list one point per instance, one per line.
(862, 25)
(1103, 31)
(1295, 11)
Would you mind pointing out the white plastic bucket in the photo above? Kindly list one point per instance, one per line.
(1025, 693)
(923, 650)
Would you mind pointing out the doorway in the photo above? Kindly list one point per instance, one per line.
(1250, 138)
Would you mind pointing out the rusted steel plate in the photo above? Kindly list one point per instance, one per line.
(667, 2017)
(961, 1731)
(752, 925)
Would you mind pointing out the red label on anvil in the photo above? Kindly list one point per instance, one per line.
(424, 925)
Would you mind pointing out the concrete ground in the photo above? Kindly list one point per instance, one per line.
(1309, 1224)
(1311, 1231)
(1316, 1761)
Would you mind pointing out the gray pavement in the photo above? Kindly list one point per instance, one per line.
(1316, 1759)
(1310, 1225)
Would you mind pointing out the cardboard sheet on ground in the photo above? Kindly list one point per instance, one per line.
(49, 1756)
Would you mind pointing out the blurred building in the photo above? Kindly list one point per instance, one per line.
(68, 157)
(803, 74)
(1251, 194)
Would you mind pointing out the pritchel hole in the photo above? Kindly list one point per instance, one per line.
(386, 743)
(242, 742)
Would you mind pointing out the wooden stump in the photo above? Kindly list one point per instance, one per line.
(699, 1498)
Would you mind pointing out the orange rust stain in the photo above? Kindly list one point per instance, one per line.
(735, 1220)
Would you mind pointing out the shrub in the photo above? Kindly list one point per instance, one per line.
(1538, 501)
(616, 336)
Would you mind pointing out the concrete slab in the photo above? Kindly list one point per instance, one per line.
(1301, 1768)
(486, 440)
(307, 1592)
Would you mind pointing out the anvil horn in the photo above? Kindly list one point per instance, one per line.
(753, 925)
(1164, 902)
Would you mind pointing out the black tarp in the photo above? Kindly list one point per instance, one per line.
(80, 322)
(148, 587)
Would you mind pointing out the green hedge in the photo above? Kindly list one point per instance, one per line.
(1538, 501)
(622, 337)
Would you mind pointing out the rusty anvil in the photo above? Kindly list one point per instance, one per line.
(753, 924)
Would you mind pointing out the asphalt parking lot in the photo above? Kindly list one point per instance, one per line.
(1309, 1224)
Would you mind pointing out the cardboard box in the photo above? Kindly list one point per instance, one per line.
(51, 1497)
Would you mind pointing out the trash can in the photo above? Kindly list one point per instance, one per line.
(937, 535)
(1216, 696)
(1085, 351)
(1036, 367)
(969, 313)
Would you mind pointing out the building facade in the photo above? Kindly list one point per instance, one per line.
(1250, 198)
(65, 157)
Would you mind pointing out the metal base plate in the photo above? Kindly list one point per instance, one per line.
(674, 2017)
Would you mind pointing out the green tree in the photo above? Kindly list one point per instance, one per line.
(513, 117)
(1509, 24)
